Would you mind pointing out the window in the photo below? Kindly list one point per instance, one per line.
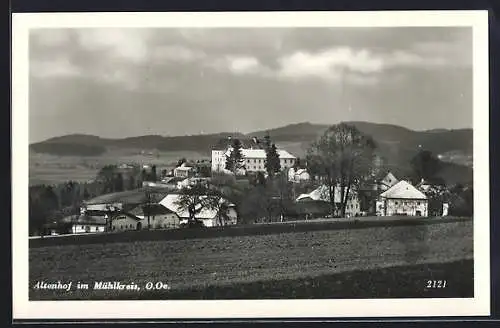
(396, 202)
(418, 203)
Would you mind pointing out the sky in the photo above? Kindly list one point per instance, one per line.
(125, 82)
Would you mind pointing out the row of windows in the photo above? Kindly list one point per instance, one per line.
(404, 203)
(261, 161)
(131, 226)
(352, 206)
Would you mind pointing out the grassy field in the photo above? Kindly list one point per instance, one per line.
(245, 266)
(51, 169)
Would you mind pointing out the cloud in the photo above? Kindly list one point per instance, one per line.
(126, 44)
(59, 67)
(328, 64)
(175, 53)
(239, 65)
(51, 37)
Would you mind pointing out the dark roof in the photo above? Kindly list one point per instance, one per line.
(154, 209)
(90, 219)
(130, 215)
(135, 196)
(130, 196)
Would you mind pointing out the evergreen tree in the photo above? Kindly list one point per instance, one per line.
(118, 185)
(131, 182)
(273, 165)
(267, 142)
(86, 194)
(234, 161)
(153, 173)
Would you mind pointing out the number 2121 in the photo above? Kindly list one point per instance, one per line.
(436, 283)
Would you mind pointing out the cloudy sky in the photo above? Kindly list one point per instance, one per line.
(168, 81)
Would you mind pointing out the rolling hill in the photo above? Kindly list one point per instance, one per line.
(396, 144)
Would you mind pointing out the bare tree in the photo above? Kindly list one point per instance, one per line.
(195, 198)
(343, 156)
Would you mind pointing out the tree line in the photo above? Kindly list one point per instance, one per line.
(342, 157)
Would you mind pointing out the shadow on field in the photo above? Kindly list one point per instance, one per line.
(241, 230)
(395, 282)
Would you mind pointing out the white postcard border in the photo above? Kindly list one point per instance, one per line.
(25, 309)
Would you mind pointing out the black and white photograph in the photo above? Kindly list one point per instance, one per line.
(332, 162)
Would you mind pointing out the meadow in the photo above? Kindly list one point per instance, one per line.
(247, 266)
(52, 169)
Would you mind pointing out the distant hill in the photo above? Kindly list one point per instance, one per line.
(395, 143)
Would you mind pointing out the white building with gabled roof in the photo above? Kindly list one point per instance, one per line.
(209, 217)
(254, 160)
(322, 193)
(402, 199)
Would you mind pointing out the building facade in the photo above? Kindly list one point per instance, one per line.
(322, 193)
(402, 199)
(254, 160)
(209, 217)
(159, 216)
(184, 171)
(124, 222)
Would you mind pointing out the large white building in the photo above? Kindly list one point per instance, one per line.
(402, 199)
(254, 160)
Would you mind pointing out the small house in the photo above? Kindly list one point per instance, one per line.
(159, 216)
(298, 175)
(84, 223)
(209, 217)
(402, 199)
(322, 193)
(124, 221)
(184, 171)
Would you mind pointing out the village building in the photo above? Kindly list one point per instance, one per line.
(322, 193)
(159, 216)
(124, 221)
(436, 194)
(184, 171)
(76, 224)
(386, 182)
(298, 175)
(372, 187)
(120, 201)
(191, 182)
(209, 217)
(254, 160)
(402, 199)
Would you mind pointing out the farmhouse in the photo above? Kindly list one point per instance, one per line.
(209, 217)
(126, 221)
(254, 160)
(298, 175)
(160, 217)
(402, 199)
(84, 223)
(184, 171)
(124, 200)
(322, 194)
(191, 182)
(386, 182)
